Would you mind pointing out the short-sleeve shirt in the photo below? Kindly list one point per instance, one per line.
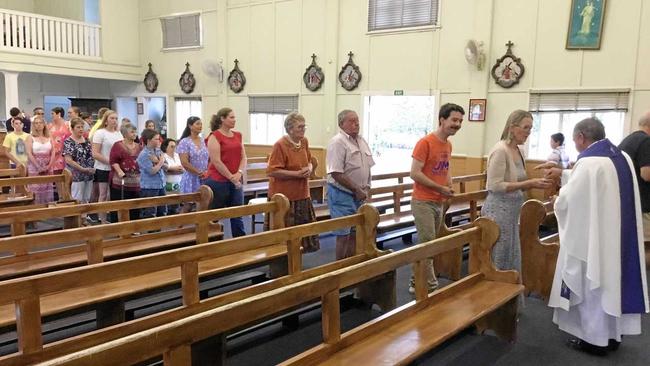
(16, 145)
(106, 139)
(286, 156)
(435, 154)
(637, 146)
(58, 137)
(231, 154)
(349, 156)
(148, 180)
(126, 159)
(82, 154)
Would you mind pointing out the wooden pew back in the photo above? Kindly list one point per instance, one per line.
(19, 187)
(72, 212)
(27, 292)
(538, 256)
(173, 339)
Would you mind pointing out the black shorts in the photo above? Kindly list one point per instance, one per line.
(101, 176)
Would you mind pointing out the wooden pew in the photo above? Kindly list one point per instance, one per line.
(20, 194)
(487, 297)
(400, 223)
(31, 254)
(72, 212)
(28, 293)
(538, 256)
(19, 171)
(108, 290)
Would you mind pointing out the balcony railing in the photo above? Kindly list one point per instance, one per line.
(40, 34)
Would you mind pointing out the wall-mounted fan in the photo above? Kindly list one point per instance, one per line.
(474, 53)
(213, 69)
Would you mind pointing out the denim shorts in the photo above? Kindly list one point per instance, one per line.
(341, 203)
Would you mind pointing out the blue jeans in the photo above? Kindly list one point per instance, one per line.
(341, 203)
(226, 195)
(149, 212)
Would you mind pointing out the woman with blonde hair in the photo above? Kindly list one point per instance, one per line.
(40, 159)
(103, 140)
(289, 169)
(506, 183)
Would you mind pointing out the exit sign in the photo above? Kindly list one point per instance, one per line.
(398, 92)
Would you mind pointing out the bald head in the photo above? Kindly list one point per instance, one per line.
(644, 121)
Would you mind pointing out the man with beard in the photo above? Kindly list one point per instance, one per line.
(432, 181)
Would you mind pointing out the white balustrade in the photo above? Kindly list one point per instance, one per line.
(43, 34)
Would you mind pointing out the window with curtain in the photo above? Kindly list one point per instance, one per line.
(267, 115)
(560, 112)
(186, 107)
(394, 14)
(183, 31)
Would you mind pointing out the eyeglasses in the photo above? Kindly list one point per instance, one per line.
(301, 127)
(40, 113)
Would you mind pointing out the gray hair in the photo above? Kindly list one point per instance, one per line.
(292, 118)
(126, 128)
(644, 121)
(591, 128)
(344, 113)
(514, 119)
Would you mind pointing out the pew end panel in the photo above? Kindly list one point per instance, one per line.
(538, 256)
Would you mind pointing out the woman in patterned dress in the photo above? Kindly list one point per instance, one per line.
(506, 183)
(41, 157)
(194, 157)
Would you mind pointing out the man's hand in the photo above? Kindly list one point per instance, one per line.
(553, 173)
(446, 191)
(360, 194)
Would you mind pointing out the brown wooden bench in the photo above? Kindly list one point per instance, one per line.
(487, 297)
(19, 171)
(71, 213)
(31, 254)
(20, 195)
(108, 291)
(32, 295)
(538, 255)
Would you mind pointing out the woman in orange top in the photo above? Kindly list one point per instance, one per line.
(289, 170)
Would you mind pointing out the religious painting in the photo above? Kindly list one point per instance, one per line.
(350, 75)
(313, 76)
(477, 109)
(150, 80)
(187, 81)
(508, 69)
(236, 79)
(586, 24)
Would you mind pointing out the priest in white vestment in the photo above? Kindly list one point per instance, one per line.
(599, 290)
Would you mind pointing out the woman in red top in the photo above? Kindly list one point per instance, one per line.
(227, 161)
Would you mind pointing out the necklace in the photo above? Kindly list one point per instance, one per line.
(295, 145)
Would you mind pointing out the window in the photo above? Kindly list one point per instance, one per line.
(183, 31)
(186, 107)
(267, 117)
(392, 14)
(560, 112)
(393, 125)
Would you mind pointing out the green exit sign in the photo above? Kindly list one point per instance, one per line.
(398, 92)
